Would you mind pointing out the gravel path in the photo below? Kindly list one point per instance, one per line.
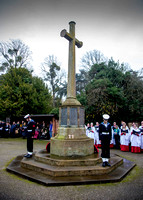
(14, 188)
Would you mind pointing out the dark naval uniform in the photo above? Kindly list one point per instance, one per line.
(105, 137)
(30, 133)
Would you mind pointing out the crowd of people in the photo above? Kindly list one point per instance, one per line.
(122, 137)
(19, 129)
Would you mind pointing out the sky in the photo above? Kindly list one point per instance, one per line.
(113, 27)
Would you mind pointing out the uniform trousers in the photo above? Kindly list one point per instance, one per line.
(105, 145)
(29, 143)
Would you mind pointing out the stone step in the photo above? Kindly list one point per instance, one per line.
(62, 171)
(43, 156)
(116, 175)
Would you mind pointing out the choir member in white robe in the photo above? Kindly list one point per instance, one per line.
(97, 141)
(135, 139)
(141, 129)
(92, 132)
(124, 137)
(133, 126)
(87, 129)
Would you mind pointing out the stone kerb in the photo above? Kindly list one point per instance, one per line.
(43, 156)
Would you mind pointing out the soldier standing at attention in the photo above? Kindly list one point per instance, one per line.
(30, 133)
(105, 137)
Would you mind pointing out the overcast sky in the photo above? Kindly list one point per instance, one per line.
(114, 27)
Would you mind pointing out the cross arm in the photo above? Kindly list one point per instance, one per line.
(78, 43)
(66, 35)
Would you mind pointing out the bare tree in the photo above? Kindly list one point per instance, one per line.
(91, 58)
(51, 70)
(14, 54)
(56, 78)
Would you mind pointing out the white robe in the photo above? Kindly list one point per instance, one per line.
(124, 139)
(97, 135)
(92, 133)
(112, 138)
(87, 131)
(141, 128)
(135, 140)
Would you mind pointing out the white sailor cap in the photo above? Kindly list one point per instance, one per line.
(26, 116)
(106, 116)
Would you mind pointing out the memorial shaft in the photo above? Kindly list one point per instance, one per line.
(71, 87)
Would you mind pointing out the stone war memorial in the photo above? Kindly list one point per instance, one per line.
(71, 139)
(71, 159)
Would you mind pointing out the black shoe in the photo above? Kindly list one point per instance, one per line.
(28, 156)
(108, 164)
(103, 164)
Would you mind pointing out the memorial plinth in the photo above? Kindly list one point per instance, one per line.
(71, 139)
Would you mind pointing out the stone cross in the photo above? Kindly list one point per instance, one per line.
(71, 87)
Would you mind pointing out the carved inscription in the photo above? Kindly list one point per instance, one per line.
(63, 116)
(73, 116)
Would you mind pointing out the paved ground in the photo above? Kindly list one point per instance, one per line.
(15, 188)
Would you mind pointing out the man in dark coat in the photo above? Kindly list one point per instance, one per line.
(30, 133)
(2, 127)
(105, 137)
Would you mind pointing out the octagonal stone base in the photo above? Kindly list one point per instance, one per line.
(44, 169)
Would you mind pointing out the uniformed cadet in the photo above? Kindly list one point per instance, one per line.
(30, 133)
(105, 137)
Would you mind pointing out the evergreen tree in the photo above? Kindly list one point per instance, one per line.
(20, 93)
(114, 89)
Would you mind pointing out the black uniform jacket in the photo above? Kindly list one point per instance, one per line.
(104, 129)
(31, 127)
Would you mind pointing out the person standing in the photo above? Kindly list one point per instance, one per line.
(105, 137)
(92, 132)
(124, 137)
(30, 133)
(135, 139)
(24, 130)
(87, 129)
(50, 129)
(2, 127)
(97, 134)
(116, 135)
(12, 129)
(141, 129)
(7, 130)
